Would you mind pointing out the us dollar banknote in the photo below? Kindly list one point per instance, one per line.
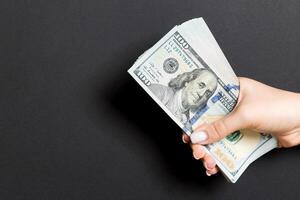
(189, 77)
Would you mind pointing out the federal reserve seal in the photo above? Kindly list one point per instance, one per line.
(171, 65)
(234, 137)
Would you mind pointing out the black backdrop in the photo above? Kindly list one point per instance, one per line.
(74, 125)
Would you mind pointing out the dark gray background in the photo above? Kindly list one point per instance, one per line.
(74, 124)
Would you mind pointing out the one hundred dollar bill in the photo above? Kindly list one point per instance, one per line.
(187, 74)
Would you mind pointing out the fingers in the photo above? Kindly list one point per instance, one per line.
(208, 162)
(212, 171)
(199, 153)
(210, 133)
(185, 138)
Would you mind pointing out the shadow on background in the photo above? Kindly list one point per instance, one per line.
(130, 101)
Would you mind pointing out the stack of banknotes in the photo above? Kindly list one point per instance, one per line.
(188, 76)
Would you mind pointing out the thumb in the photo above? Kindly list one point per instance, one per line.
(210, 133)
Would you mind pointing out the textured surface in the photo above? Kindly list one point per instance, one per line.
(72, 121)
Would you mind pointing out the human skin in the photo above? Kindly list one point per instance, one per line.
(198, 91)
(261, 108)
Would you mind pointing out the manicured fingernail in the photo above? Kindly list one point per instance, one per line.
(207, 173)
(205, 165)
(198, 137)
(195, 156)
(183, 139)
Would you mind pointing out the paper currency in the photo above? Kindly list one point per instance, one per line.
(187, 74)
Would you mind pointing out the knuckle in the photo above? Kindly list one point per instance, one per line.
(219, 129)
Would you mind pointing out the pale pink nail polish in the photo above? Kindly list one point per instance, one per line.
(207, 173)
(183, 139)
(196, 157)
(198, 137)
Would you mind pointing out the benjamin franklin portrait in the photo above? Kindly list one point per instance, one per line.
(187, 92)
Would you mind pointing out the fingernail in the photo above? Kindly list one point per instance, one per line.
(207, 173)
(205, 165)
(183, 139)
(195, 156)
(198, 137)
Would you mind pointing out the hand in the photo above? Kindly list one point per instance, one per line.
(261, 108)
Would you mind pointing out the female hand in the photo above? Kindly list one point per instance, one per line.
(261, 108)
